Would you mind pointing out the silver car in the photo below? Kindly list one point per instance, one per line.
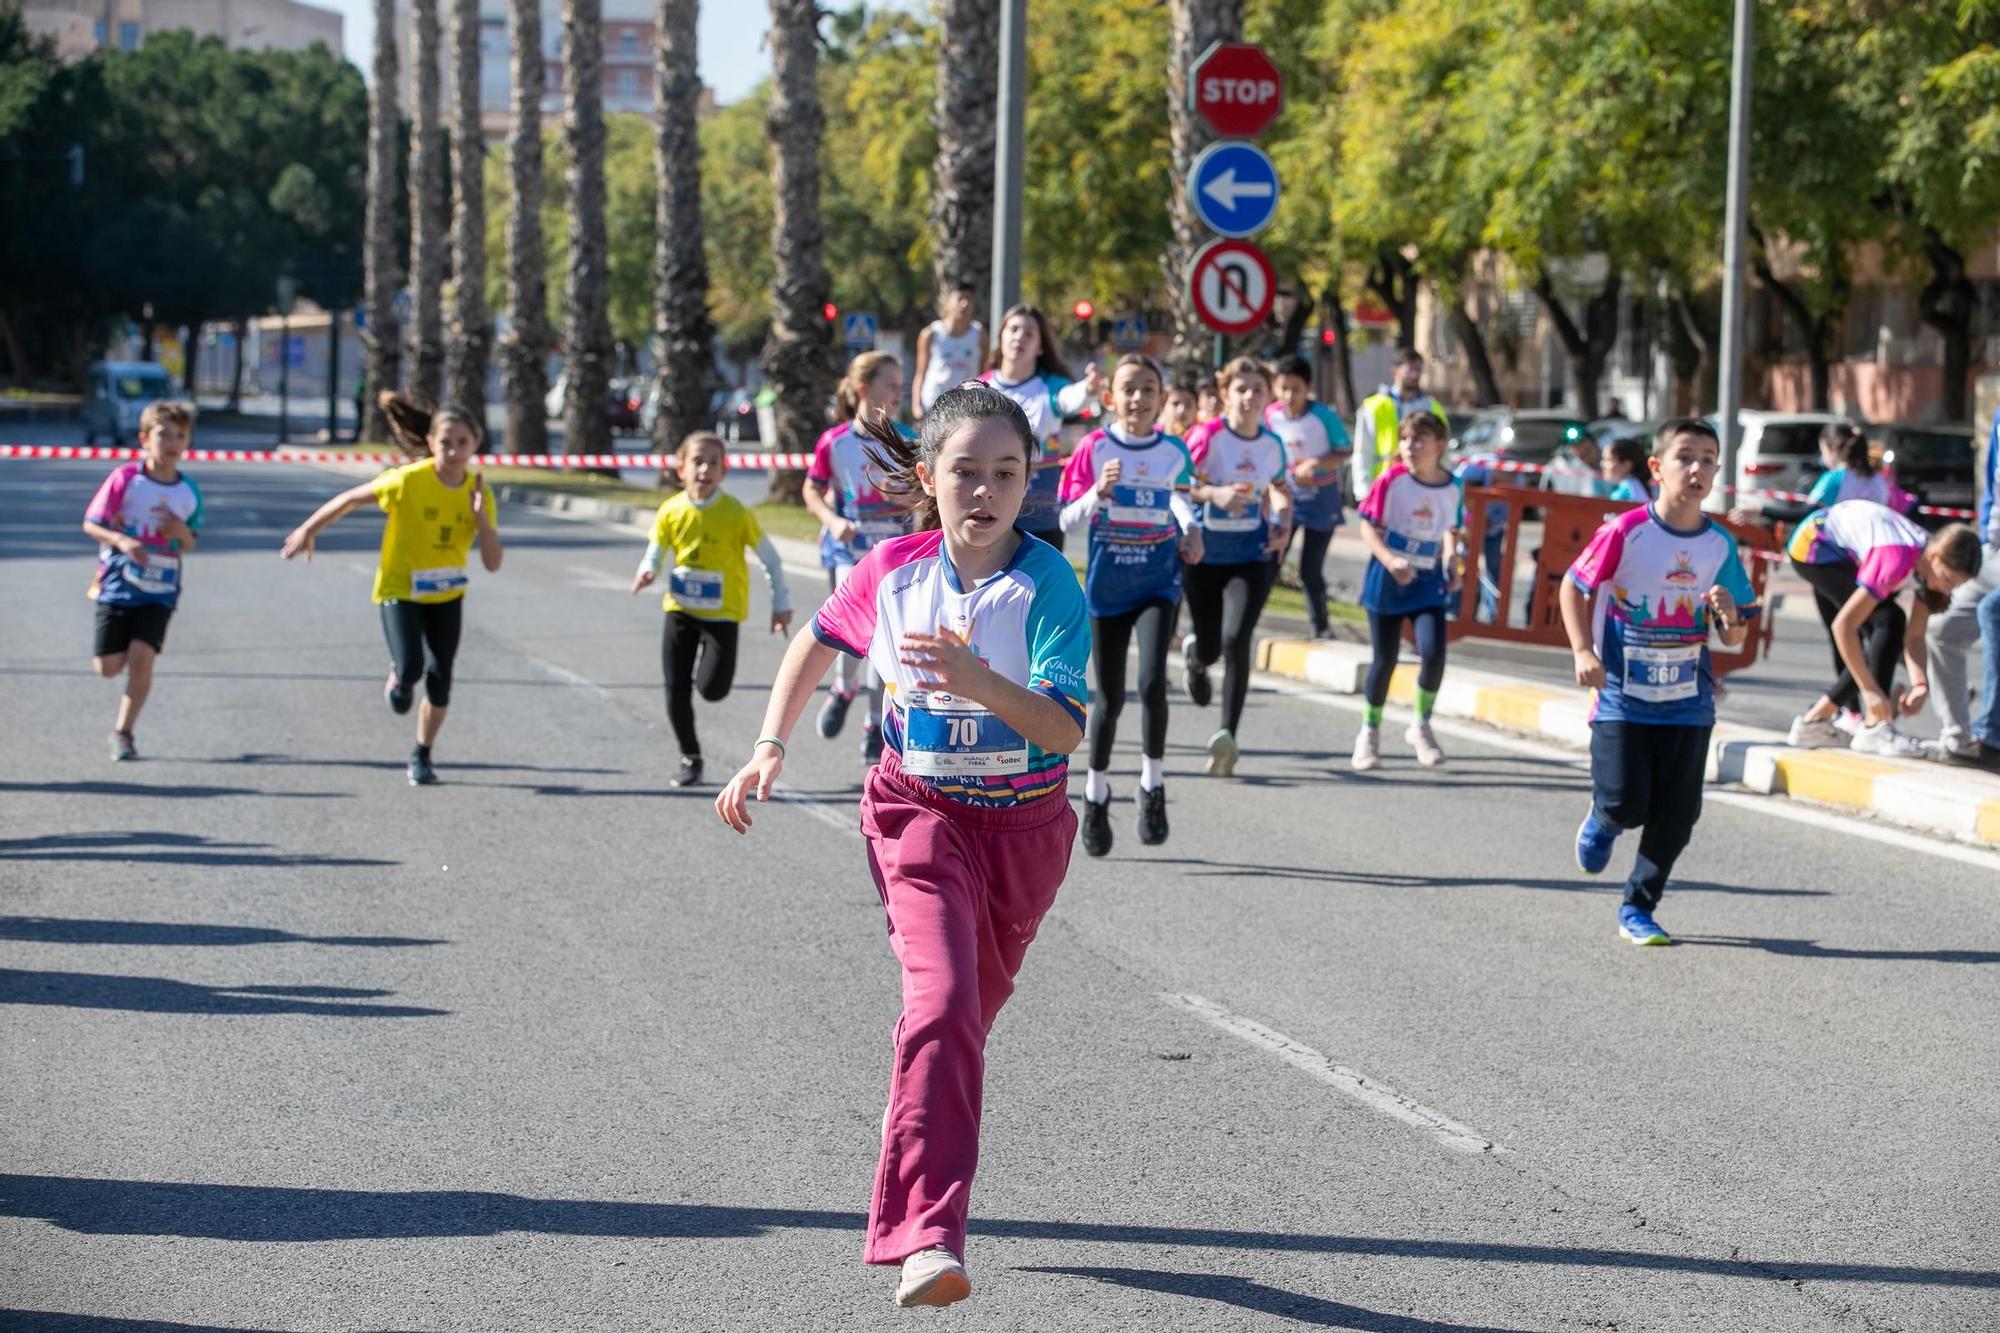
(115, 393)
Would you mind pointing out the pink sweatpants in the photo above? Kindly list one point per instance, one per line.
(965, 889)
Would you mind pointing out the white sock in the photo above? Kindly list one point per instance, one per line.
(1097, 786)
(1152, 772)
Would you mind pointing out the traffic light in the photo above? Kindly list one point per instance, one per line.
(1327, 337)
(830, 312)
(1083, 310)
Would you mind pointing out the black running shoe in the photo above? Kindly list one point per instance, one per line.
(398, 695)
(1194, 676)
(871, 743)
(833, 713)
(420, 772)
(690, 774)
(1153, 815)
(1097, 826)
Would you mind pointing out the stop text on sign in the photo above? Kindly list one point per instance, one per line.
(1236, 89)
(1250, 92)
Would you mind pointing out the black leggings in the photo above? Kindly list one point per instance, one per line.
(1386, 629)
(696, 654)
(1881, 633)
(1224, 602)
(413, 627)
(1110, 636)
(1312, 572)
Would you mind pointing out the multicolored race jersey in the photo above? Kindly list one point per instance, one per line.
(1882, 545)
(429, 533)
(1224, 458)
(133, 503)
(1413, 517)
(954, 359)
(1042, 400)
(707, 576)
(1027, 622)
(841, 461)
(1649, 617)
(1134, 532)
(1310, 438)
(1842, 484)
(1630, 490)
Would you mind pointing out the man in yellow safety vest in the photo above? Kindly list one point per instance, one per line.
(1376, 423)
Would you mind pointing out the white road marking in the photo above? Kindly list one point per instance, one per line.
(583, 576)
(840, 817)
(1370, 1092)
(1778, 807)
(568, 677)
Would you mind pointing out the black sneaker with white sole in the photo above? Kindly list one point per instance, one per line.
(1096, 826)
(419, 770)
(1194, 676)
(397, 695)
(690, 772)
(1153, 815)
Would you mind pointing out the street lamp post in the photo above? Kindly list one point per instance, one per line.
(1009, 131)
(1729, 386)
(287, 290)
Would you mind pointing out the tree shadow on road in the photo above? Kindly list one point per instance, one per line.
(299, 761)
(1389, 879)
(49, 1321)
(169, 849)
(159, 995)
(167, 790)
(77, 930)
(280, 1215)
(1814, 949)
(1256, 1296)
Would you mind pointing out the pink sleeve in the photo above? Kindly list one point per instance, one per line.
(821, 468)
(1199, 437)
(1600, 559)
(846, 619)
(1378, 494)
(1883, 569)
(1901, 500)
(1080, 471)
(109, 501)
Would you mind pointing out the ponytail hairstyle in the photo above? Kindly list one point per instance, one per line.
(1426, 423)
(413, 422)
(1631, 451)
(861, 372)
(1048, 361)
(897, 458)
(1957, 548)
(1846, 437)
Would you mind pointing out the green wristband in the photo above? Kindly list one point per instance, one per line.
(771, 740)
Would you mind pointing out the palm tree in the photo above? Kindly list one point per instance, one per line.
(427, 206)
(524, 348)
(1195, 25)
(968, 72)
(587, 316)
(798, 359)
(683, 336)
(381, 350)
(471, 344)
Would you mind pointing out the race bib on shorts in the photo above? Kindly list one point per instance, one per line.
(430, 582)
(696, 589)
(948, 737)
(1663, 675)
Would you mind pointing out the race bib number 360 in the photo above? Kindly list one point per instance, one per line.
(1663, 675)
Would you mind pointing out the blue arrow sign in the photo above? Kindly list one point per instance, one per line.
(1233, 188)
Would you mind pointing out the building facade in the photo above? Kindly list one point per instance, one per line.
(81, 27)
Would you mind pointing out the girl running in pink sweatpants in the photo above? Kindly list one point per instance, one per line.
(981, 634)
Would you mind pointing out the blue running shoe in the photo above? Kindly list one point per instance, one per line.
(1637, 925)
(1594, 839)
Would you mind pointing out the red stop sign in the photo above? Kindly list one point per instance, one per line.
(1237, 89)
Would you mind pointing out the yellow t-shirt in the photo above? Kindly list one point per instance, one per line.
(706, 575)
(430, 531)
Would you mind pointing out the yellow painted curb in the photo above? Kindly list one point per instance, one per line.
(1838, 779)
(1284, 657)
(1515, 707)
(1403, 684)
(1988, 825)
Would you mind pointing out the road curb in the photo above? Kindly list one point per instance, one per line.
(1959, 803)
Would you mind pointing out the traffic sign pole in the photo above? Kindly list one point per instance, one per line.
(1233, 187)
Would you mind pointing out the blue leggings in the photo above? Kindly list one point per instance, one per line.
(1386, 629)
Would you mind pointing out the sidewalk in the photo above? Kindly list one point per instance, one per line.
(1957, 802)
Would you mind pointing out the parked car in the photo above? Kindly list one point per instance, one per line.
(621, 404)
(1777, 451)
(115, 393)
(1506, 434)
(737, 422)
(1939, 465)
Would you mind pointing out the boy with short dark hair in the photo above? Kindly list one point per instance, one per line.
(1638, 605)
(145, 517)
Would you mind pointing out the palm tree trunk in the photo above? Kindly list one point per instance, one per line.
(524, 348)
(1195, 26)
(381, 347)
(427, 206)
(587, 314)
(968, 89)
(683, 334)
(471, 347)
(798, 359)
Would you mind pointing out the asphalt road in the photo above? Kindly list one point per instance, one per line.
(291, 1045)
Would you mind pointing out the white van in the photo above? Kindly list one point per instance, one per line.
(1778, 451)
(115, 393)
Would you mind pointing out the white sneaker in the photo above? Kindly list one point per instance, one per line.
(933, 1277)
(1425, 744)
(1951, 745)
(1847, 722)
(1367, 749)
(1821, 735)
(1222, 753)
(1886, 740)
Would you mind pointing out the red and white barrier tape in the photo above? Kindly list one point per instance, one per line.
(556, 462)
(1513, 465)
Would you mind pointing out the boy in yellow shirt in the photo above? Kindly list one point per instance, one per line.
(708, 587)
